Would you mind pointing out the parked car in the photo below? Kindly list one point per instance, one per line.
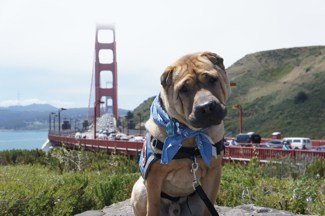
(299, 142)
(230, 142)
(248, 138)
(320, 148)
(136, 139)
(272, 144)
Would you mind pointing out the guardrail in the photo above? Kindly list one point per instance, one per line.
(121, 147)
(133, 149)
(235, 152)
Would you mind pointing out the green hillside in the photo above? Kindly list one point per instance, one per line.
(143, 110)
(279, 90)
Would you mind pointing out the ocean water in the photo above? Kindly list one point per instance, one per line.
(22, 139)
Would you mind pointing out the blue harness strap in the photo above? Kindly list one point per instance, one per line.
(147, 156)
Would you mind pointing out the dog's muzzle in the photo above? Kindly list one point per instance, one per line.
(207, 114)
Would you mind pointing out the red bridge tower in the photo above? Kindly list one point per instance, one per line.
(105, 70)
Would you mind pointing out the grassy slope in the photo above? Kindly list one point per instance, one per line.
(144, 110)
(267, 84)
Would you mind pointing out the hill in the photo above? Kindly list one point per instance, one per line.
(34, 107)
(36, 116)
(279, 90)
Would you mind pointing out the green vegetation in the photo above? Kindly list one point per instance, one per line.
(70, 182)
(143, 112)
(62, 183)
(284, 185)
(279, 90)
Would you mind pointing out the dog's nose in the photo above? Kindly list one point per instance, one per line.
(207, 113)
(208, 108)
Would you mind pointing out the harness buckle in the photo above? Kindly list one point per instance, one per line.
(154, 142)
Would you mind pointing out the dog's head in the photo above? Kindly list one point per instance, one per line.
(195, 89)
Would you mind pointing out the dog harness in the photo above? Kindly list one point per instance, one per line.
(148, 156)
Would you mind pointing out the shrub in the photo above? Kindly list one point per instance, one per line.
(62, 183)
(59, 188)
(23, 157)
(281, 184)
(301, 97)
(316, 168)
(35, 190)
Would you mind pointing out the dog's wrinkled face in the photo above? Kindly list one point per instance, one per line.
(195, 90)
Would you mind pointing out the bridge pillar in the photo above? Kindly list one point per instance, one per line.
(105, 69)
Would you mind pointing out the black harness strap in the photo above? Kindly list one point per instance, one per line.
(186, 152)
(166, 196)
(206, 200)
(174, 199)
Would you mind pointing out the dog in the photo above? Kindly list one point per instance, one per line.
(185, 138)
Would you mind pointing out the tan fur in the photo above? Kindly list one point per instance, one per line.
(196, 73)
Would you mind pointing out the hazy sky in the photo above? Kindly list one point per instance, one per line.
(47, 47)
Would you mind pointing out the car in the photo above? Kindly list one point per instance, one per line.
(263, 145)
(272, 144)
(298, 142)
(136, 139)
(248, 138)
(320, 148)
(230, 142)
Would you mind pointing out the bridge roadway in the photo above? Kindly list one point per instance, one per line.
(133, 149)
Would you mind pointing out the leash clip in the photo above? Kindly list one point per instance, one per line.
(195, 166)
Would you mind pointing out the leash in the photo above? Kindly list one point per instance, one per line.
(198, 188)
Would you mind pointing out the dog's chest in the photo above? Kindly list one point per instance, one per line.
(178, 181)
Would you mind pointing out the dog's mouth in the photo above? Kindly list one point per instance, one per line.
(207, 114)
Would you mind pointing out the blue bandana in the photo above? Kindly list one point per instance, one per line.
(176, 133)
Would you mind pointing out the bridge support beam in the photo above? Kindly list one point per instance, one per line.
(105, 64)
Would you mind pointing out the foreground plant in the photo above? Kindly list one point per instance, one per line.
(283, 184)
(45, 185)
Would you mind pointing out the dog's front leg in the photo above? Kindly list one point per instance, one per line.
(211, 182)
(154, 183)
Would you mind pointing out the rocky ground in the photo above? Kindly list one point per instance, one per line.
(124, 209)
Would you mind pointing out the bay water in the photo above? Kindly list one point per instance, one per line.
(11, 139)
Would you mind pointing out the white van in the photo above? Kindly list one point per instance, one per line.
(299, 142)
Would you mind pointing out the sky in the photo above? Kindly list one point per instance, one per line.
(47, 47)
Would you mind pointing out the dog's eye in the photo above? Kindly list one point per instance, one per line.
(183, 89)
(212, 80)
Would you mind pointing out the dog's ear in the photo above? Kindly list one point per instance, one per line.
(215, 59)
(167, 76)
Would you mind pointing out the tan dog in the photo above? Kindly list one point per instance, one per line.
(194, 91)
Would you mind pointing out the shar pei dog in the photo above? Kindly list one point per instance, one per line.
(180, 162)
